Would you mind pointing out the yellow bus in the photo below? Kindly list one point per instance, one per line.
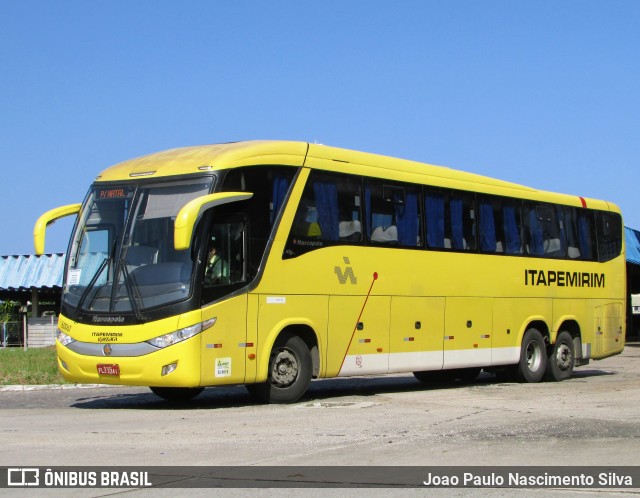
(273, 263)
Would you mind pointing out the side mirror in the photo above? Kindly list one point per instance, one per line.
(48, 218)
(192, 211)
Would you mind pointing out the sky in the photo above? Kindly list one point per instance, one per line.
(544, 93)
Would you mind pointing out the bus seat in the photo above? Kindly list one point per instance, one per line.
(350, 230)
(552, 245)
(141, 255)
(385, 235)
(158, 274)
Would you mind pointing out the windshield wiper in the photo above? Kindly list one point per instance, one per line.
(132, 291)
(92, 282)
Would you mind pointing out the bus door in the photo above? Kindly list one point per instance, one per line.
(224, 345)
(468, 328)
(225, 271)
(359, 346)
(416, 335)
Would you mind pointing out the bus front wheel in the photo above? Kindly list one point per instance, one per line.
(562, 358)
(290, 370)
(533, 357)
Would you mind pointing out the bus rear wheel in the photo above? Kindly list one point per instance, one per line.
(290, 370)
(177, 394)
(533, 357)
(561, 359)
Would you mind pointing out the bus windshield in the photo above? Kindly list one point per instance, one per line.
(121, 259)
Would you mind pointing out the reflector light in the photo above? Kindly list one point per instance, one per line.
(167, 369)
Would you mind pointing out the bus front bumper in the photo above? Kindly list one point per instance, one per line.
(174, 366)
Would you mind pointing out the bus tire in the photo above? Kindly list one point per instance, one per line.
(561, 359)
(177, 394)
(290, 370)
(533, 357)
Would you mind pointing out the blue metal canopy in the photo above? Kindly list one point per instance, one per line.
(632, 239)
(30, 271)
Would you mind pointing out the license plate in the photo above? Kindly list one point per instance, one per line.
(108, 369)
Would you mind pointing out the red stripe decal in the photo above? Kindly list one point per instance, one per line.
(375, 277)
(584, 203)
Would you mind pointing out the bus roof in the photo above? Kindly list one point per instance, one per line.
(203, 158)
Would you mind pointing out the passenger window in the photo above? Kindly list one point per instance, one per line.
(329, 213)
(586, 235)
(450, 220)
(609, 235)
(487, 226)
(500, 225)
(579, 233)
(392, 213)
(544, 232)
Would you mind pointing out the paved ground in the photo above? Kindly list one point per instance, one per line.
(591, 419)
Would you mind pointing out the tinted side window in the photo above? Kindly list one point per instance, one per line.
(329, 213)
(500, 225)
(544, 235)
(450, 220)
(577, 225)
(392, 213)
(609, 229)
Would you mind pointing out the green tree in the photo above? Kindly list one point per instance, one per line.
(8, 311)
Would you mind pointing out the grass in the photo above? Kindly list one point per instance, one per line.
(31, 367)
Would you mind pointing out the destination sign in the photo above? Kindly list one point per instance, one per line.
(112, 193)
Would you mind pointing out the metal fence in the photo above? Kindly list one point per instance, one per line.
(40, 332)
(11, 334)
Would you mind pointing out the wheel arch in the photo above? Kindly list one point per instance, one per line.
(286, 329)
(310, 338)
(536, 323)
(571, 325)
(567, 324)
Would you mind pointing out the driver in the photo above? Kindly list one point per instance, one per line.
(217, 269)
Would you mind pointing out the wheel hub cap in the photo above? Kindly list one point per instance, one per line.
(285, 368)
(563, 357)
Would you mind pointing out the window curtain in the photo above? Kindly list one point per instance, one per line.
(434, 204)
(584, 236)
(536, 245)
(511, 232)
(570, 227)
(561, 229)
(457, 230)
(326, 197)
(487, 228)
(407, 220)
(280, 187)
(367, 207)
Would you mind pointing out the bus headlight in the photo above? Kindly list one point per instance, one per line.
(64, 339)
(181, 335)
